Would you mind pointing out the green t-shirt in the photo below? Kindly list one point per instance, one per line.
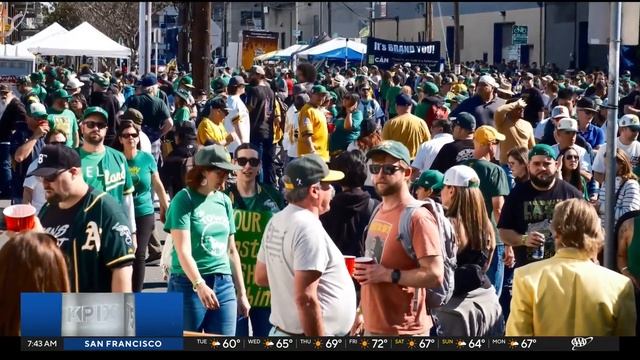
(181, 115)
(141, 167)
(251, 216)
(391, 100)
(40, 92)
(422, 109)
(384, 87)
(210, 222)
(94, 236)
(107, 171)
(65, 121)
(493, 182)
(341, 138)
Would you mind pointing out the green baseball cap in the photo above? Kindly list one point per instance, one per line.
(393, 148)
(333, 95)
(543, 149)
(308, 170)
(95, 110)
(319, 89)
(215, 155)
(37, 110)
(431, 179)
(218, 85)
(184, 95)
(61, 94)
(100, 80)
(57, 85)
(37, 77)
(187, 81)
(430, 89)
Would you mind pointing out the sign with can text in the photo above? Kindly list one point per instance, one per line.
(386, 53)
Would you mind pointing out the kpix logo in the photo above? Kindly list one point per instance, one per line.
(580, 342)
(92, 314)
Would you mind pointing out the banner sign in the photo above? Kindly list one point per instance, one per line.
(256, 43)
(386, 53)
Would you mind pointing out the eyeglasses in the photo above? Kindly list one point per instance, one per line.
(57, 143)
(242, 161)
(131, 135)
(92, 124)
(387, 169)
(328, 187)
(572, 157)
(54, 176)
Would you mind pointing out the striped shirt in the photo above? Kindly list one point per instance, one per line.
(628, 198)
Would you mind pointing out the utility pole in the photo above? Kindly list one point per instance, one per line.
(372, 15)
(182, 57)
(142, 34)
(147, 42)
(201, 54)
(429, 21)
(321, 19)
(329, 18)
(456, 29)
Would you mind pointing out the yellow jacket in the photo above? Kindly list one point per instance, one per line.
(568, 295)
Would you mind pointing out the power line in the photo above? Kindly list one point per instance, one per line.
(355, 13)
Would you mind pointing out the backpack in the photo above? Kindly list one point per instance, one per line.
(438, 296)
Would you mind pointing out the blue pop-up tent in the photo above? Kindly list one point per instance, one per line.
(336, 49)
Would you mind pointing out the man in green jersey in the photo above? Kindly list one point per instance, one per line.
(253, 206)
(90, 227)
(61, 118)
(103, 167)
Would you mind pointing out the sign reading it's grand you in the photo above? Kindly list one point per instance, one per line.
(385, 53)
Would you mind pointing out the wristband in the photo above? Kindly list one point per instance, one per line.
(524, 240)
(197, 283)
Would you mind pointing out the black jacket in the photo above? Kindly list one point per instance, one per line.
(347, 219)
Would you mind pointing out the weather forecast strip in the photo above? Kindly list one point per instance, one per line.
(403, 344)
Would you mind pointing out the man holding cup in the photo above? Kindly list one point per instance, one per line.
(300, 263)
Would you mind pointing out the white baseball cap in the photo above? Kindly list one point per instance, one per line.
(407, 64)
(74, 83)
(629, 120)
(461, 176)
(560, 111)
(568, 124)
(489, 80)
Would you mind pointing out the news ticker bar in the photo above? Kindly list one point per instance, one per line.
(321, 344)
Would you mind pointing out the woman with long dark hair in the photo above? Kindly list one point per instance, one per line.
(569, 162)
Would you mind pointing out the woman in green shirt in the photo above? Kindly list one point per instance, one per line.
(183, 112)
(145, 176)
(205, 264)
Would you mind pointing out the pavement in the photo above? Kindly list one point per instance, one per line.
(153, 281)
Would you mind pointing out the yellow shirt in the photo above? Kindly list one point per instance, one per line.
(517, 134)
(458, 88)
(407, 129)
(208, 130)
(569, 295)
(311, 121)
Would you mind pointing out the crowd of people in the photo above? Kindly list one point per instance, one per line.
(472, 202)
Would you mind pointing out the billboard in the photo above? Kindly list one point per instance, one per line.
(386, 53)
(256, 43)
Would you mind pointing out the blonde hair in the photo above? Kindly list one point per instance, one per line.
(469, 210)
(577, 223)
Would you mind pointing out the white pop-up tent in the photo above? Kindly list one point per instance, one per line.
(15, 52)
(83, 40)
(16, 61)
(40, 38)
(285, 54)
(336, 49)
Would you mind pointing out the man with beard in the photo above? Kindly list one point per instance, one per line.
(393, 293)
(89, 225)
(103, 167)
(526, 215)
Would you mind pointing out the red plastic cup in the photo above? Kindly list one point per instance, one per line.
(20, 217)
(350, 261)
(365, 260)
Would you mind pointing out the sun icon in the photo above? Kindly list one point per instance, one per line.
(364, 344)
(411, 344)
(317, 344)
(268, 344)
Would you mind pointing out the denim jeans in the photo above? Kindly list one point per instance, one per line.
(505, 298)
(5, 170)
(196, 317)
(266, 152)
(259, 323)
(496, 269)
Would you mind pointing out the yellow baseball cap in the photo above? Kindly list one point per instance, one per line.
(486, 134)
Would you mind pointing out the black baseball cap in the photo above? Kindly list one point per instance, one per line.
(55, 158)
(367, 128)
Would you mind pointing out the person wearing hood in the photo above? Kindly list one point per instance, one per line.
(350, 209)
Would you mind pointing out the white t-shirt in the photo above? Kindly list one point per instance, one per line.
(145, 143)
(429, 150)
(294, 240)
(585, 158)
(632, 150)
(236, 106)
(33, 183)
(538, 132)
(291, 125)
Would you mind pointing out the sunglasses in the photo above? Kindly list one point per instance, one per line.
(127, 136)
(242, 161)
(54, 176)
(92, 124)
(387, 169)
(572, 157)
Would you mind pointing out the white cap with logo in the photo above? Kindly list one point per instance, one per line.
(461, 176)
(560, 111)
(568, 124)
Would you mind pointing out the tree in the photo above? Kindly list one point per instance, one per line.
(117, 20)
